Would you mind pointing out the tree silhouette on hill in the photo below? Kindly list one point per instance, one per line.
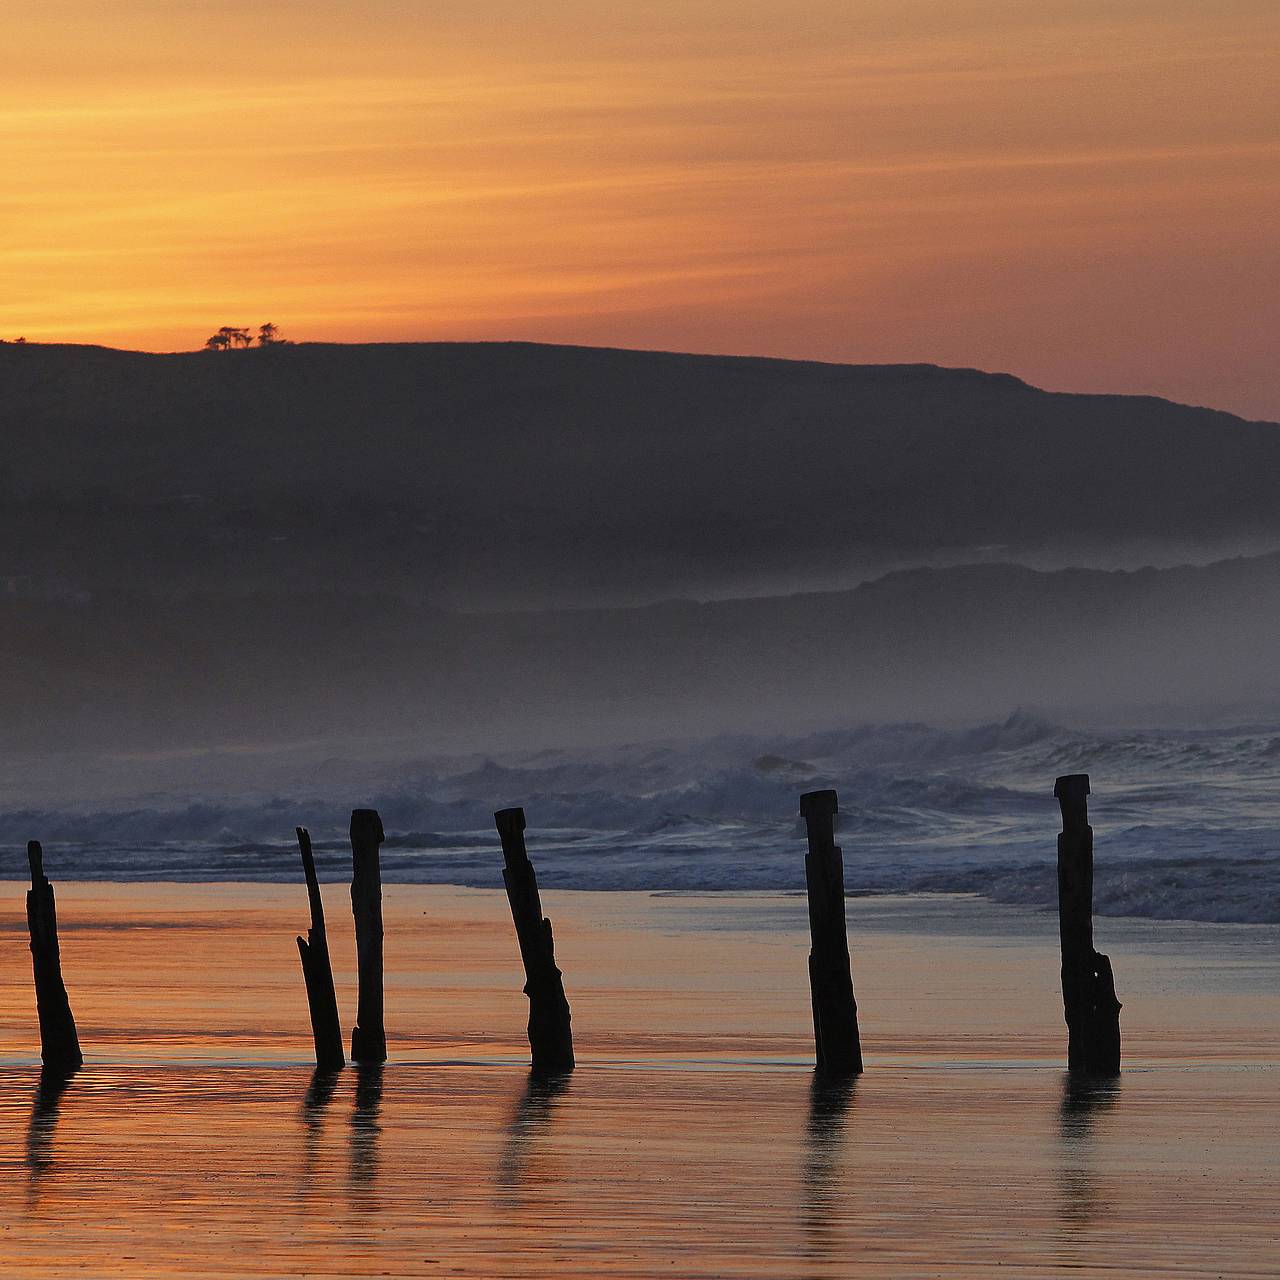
(230, 336)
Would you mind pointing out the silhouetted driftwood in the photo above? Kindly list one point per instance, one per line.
(59, 1044)
(1088, 986)
(835, 1014)
(317, 970)
(368, 1037)
(550, 1034)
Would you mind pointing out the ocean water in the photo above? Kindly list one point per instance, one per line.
(1186, 822)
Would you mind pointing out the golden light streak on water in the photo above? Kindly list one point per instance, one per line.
(693, 1141)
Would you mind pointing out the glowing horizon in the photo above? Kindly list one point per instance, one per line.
(1082, 195)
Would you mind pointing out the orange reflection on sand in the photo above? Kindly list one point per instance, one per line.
(693, 1139)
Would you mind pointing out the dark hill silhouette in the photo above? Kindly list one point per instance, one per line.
(489, 473)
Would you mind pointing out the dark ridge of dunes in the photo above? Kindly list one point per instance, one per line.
(500, 472)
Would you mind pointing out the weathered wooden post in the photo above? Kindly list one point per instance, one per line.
(317, 970)
(550, 1034)
(1088, 986)
(368, 1037)
(835, 1014)
(59, 1044)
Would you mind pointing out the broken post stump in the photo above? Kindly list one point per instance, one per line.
(59, 1044)
(550, 1033)
(1088, 985)
(368, 1036)
(835, 1013)
(317, 970)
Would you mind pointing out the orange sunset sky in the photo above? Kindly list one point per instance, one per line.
(1084, 194)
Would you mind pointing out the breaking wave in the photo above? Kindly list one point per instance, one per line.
(1185, 821)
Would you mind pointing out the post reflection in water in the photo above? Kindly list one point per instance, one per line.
(44, 1119)
(830, 1098)
(530, 1119)
(366, 1127)
(319, 1094)
(1084, 1101)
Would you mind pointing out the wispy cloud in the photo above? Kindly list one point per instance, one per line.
(929, 179)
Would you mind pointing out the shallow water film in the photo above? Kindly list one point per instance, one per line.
(693, 1140)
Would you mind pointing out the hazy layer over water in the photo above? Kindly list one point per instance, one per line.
(1185, 821)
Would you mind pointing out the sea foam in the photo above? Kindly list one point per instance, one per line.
(1185, 821)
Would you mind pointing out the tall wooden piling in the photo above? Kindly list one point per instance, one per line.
(368, 1037)
(835, 1013)
(550, 1034)
(1088, 986)
(59, 1044)
(317, 970)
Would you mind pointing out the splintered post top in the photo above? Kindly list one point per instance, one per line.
(509, 822)
(818, 809)
(816, 804)
(366, 825)
(1071, 790)
(35, 856)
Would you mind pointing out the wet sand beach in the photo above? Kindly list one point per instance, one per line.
(692, 1141)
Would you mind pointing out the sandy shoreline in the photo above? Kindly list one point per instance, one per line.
(692, 1141)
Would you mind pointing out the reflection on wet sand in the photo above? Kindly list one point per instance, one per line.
(1080, 1191)
(44, 1120)
(319, 1094)
(174, 1152)
(830, 1098)
(366, 1128)
(529, 1120)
